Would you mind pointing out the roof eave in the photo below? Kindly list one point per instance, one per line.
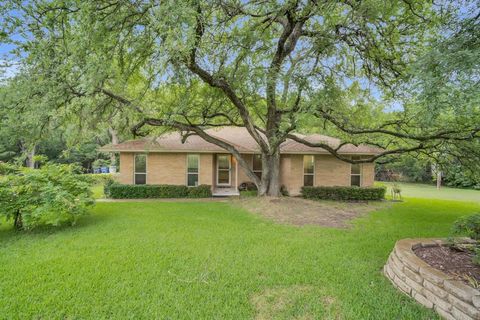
(105, 149)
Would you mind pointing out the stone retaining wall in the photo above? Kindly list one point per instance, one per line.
(450, 298)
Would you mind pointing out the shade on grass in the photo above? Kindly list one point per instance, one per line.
(210, 260)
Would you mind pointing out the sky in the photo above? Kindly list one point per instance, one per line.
(9, 69)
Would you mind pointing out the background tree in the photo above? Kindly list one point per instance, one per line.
(35, 121)
(263, 65)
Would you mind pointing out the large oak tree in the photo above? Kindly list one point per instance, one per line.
(264, 65)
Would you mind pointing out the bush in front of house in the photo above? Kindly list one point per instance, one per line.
(106, 186)
(344, 193)
(54, 194)
(146, 191)
(202, 191)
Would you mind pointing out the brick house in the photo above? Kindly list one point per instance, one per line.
(168, 160)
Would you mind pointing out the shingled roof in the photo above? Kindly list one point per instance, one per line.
(237, 136)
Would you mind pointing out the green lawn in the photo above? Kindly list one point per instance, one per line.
(426, 191)
(212, 261)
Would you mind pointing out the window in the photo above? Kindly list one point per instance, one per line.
(192, 170)
(224, 166)
(356, 173)
(308, 170)
(140, 170)
(257, 165)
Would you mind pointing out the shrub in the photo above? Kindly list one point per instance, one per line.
(106, 186)
(457, 176)
(468, 226)
(102, 178)
(202, 191)
(343, 193)
(52, 195)
(145, 191)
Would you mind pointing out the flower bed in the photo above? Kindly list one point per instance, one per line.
(450, 297)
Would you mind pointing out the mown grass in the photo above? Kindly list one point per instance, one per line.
(212, 261)
(428, 191)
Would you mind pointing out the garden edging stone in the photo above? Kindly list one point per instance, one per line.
(432, 288)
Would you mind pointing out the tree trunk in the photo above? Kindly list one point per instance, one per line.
(30, 154)
(114, 136)
(270, 185)
(30, 158)
(439, 178)
(18, 221)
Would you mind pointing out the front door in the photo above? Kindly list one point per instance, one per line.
(224, 166)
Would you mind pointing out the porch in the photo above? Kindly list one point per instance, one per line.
(225, 192)
(225, 176)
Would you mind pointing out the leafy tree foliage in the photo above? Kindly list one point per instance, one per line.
(469, 226)
(405, 168)
(459, 176)
(32, 124)
(51, 195)
(263, 65)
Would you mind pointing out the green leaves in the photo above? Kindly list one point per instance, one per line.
(210, 63)
(52, 195)
(468, 226)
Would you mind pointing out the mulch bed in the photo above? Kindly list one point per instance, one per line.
(453, 262)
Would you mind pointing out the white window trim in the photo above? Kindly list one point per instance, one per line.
(135, 169)
(186, 169)
(356, 174)
(254, 171)
(229, 170)
(303, 170)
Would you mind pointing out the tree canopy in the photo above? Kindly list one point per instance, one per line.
(270, 66)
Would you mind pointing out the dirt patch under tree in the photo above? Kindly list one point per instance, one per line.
(298, 211)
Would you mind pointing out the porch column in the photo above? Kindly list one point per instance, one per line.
(236, 173)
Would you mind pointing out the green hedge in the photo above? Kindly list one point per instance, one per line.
(145, 191)
(202, 191)
(344, 193)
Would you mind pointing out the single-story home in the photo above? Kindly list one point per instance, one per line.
(169, 160)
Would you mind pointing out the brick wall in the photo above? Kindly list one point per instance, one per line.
(449, 297)
(242, 176)
(126, 168)
(368, 174)
(329, 171)
(167, 168)
(170, 168)
(206, 169)
(285, 170)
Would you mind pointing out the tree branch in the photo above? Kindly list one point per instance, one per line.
(201, 133)
(222, 84)
(334, 151)
(444, 134)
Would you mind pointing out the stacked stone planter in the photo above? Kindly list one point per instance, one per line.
(449, 297)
